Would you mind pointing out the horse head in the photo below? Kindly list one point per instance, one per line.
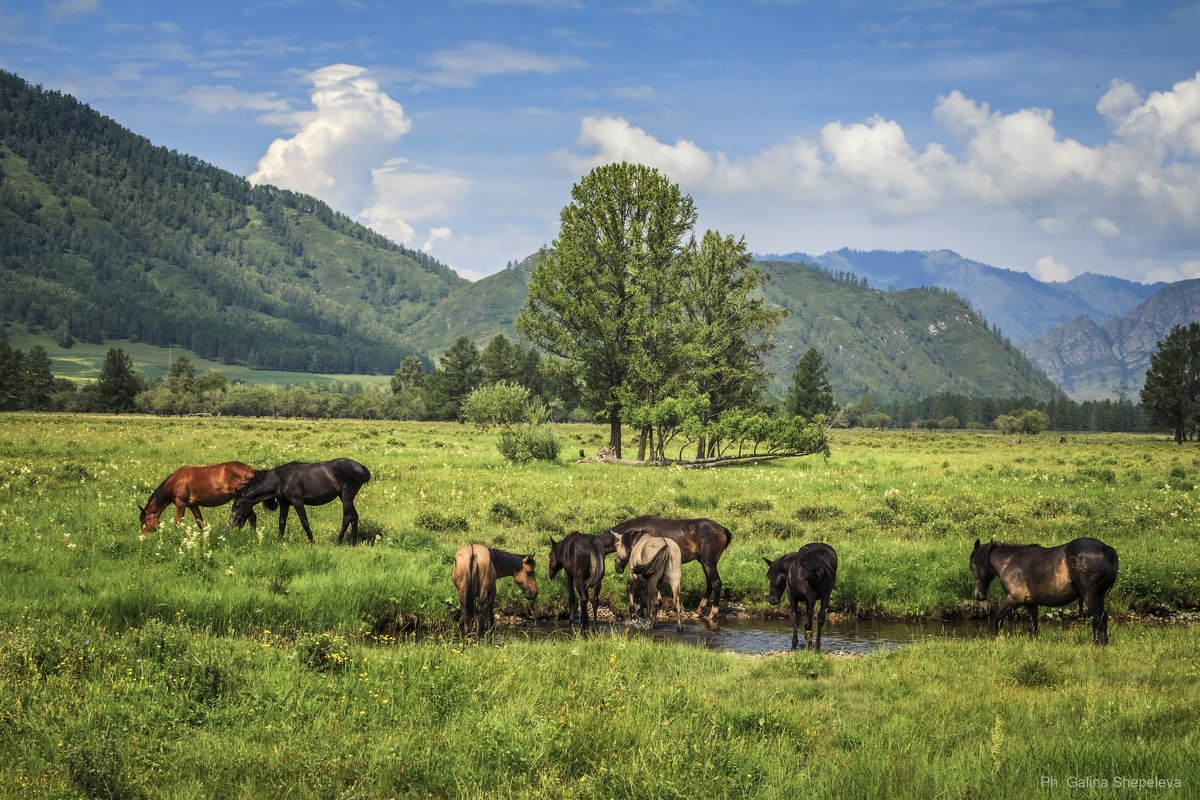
(526, 577)
(148, 519)
(982, 569)
(776, 579)
(624, 544)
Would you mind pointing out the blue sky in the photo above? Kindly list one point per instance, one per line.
(1048, 137)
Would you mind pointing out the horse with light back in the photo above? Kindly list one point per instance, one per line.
(651, 559)
(475, 572)
(699, 540)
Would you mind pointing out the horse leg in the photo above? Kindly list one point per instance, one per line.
(349, 520)
(712, 590)
(303, 515)
(794, 602)
(1095, 607)
(199, 519)
(651, 602)
(821, 620)
(678, 606)
(809, 604)
(283, 512)
(1100, 628)
(1033, 619)
(571, 599)
(1005, 606)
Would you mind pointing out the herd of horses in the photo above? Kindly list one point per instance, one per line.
(654, 548)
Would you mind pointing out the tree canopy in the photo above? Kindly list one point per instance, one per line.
(602, 293)
(1171, 394)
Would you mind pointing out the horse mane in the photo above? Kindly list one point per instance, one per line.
(813, 562)
(160, 495)
(506, 560)
(260, 475)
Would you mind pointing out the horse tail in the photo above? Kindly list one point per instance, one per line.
(471, 603)
(651, 567)
(596, 577)
(350, 470)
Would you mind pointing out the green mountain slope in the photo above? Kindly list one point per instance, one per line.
(896, 345)
(108, 237)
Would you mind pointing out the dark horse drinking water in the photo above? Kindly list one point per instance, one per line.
(298, 484)
(1082, 569)
(809, 574)
(699, 540)
(581, 558)
(193, 487)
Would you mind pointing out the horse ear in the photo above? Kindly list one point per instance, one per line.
(976, 544)
(770, 563)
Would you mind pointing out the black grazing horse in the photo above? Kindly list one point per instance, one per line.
(808, 574)
(1082, 569)
(298, 484)
(581, 558)
(699, 540)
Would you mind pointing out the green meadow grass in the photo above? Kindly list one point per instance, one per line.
(229, 663)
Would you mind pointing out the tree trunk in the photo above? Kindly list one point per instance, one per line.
(614, 431)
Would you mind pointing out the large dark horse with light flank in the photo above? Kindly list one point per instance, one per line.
(299, 484)
(699, 540)
(1083, 569)
(809, 574)
(475, 572)
(581, 559)
(193, 487)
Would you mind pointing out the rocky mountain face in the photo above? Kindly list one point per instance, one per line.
(1093, 361)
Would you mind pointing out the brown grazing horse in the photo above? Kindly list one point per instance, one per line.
(699, 540)
(809, 574)
(581, 558)
(651, 559)
(476, 570)
(193, 487)
(1083, 569)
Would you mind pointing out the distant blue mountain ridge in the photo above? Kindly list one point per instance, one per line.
(1019, 305)
(1092, 335)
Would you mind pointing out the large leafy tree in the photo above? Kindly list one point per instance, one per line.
(727, 330)
(810, 393)
(1171, 394)
(596, 298)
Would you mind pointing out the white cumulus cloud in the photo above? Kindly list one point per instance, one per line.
(1140, 187)
(349, 132)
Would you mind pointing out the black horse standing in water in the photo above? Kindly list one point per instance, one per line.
(581, 558)
(809, 574)
(298, 484)
(1082, 569)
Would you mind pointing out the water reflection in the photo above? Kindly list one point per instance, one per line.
(765, 635)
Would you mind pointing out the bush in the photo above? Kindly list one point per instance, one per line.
(530, 443)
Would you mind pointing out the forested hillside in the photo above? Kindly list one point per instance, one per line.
(108, 237)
